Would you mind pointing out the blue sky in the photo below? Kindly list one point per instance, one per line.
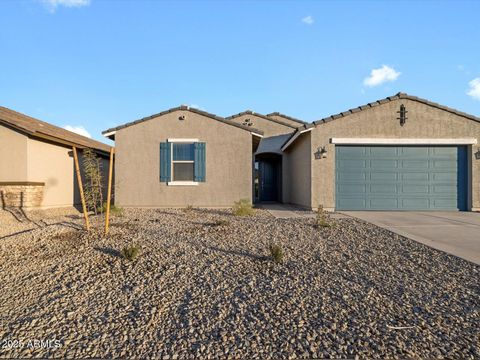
(98, 64)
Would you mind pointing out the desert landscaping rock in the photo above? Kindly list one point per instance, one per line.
(204, 286)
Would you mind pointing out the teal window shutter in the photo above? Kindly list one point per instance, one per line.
(200, 161)
(165, 161)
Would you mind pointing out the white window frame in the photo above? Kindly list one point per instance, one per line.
(180, 183)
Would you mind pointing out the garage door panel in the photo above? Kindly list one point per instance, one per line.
(384, 151)
(415, 176)
(352, 176)
(382, 203)
(401, 177)
(415, 164)
(383, 188)
(415, 189)
(415, 203)
(382, 176)
(445, 151)
(353, 204)
(444, 176)
(446, 204)
(444, 189)
(445, 164)
(414, 152)
(352, 152)
(351, 164)
(383, 164)
(352, 188)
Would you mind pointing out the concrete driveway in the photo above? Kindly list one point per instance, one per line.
(456, 233)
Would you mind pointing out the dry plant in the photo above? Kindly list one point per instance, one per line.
(93, 188)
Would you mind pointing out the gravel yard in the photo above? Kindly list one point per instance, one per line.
(205, 287)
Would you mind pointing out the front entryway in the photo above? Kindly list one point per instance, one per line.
(401, 177)
(268, 170)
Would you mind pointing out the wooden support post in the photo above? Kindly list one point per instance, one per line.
(109, 194)
(80, 188)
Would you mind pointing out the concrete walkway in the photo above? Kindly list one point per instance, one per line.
(283, 211)
(456, 233)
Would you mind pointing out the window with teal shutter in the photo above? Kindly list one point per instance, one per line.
(200, 160)
(165, 161)
(182, 162)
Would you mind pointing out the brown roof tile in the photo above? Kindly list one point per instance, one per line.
(397, 96)
(41, 129)
(184, 108)
(250, 112)
(276, 113)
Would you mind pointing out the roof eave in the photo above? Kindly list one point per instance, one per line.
(110, 133)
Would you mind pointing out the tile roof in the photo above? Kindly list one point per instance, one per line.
(276, 113)
(41, 129)
(184, 108)
(250, 112)
(397, 96)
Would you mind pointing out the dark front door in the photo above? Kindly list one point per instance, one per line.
(268, 181)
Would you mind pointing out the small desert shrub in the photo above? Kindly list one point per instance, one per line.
(276, 253)
(243, 208)
(323, 220)
(131, 252)
(188, 208)
(114, 210)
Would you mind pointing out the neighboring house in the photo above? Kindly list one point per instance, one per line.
(36, 162)
(399, 153)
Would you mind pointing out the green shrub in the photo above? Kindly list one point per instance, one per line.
(114, 210)
(276, 253)
(243, 208)
(323, 219)
(131, 252)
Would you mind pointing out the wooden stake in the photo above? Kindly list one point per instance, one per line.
(80, 188)
(109, 194)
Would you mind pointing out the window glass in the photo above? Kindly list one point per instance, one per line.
(183, 171)
(183, 152)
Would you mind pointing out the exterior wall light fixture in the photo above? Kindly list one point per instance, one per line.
(320, 153)
(477, 154)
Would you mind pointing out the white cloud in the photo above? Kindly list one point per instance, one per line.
(308, 20)
(196, 106)
(474, 90)
(381, 75)
(52, 5)
(80, 130)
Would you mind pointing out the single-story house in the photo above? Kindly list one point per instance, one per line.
(36, 162)
(398, 153)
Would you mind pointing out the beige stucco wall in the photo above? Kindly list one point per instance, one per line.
(137, 164)
(381, 122)
(297, 163)
(13, 155)
(269, 128)
(53, 165)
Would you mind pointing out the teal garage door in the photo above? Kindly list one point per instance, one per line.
(401, 177)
